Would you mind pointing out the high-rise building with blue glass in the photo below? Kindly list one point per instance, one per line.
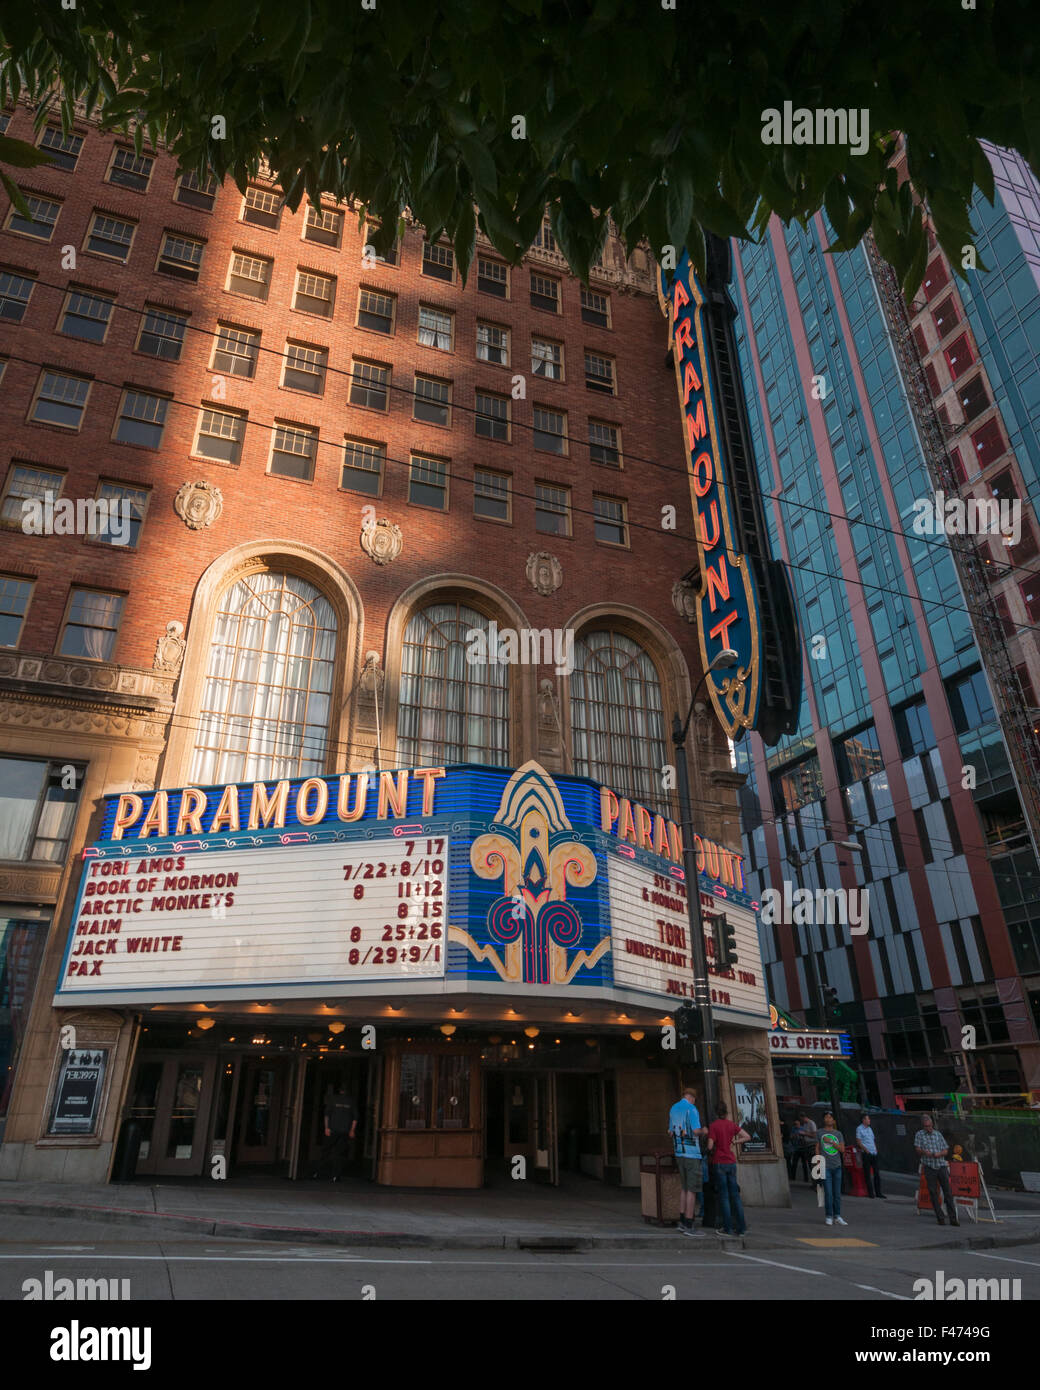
(903, 747)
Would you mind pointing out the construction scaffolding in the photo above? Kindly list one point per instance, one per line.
(1008, 696)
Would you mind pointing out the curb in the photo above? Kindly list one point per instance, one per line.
(560, 1242)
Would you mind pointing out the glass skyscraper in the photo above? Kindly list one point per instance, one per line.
(899, 748)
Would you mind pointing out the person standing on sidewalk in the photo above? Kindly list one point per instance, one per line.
(684, 1125)
(866, 1142)
(932, 1149)
(723, 1133)
(830, 1145)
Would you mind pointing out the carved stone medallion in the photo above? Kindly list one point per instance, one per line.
(684, 599)
(198, 504)
(544, 572)
(381, 540)
(169, 650)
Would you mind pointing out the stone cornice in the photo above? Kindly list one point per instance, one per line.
(100, 684)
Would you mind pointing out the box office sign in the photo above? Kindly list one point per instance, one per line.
(430, 878)
(808, 1044)
(78, 1092)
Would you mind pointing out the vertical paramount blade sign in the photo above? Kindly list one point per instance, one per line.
(729, 602)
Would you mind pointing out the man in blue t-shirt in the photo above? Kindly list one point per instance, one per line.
(684, 1125)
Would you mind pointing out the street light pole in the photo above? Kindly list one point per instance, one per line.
(698, 955)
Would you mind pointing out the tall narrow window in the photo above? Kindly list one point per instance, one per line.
(617, 725)
(452, 710)
(266, 700)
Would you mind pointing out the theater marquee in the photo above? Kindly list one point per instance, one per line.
(428, 880)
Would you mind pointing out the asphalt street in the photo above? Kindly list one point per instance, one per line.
(215, 1270)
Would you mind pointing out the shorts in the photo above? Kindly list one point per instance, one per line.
(689, 1172)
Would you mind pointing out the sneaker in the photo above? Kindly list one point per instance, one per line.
(690, 1231)
(954, 1221)
(830, 1221)
(841, 1221)
(721, 1231)
(942, 1220)
(883, 1196)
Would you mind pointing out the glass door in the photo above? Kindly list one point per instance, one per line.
(171, 1099)
(545, 1140)
(261, 1098)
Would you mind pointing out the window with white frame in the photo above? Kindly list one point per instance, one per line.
(363, 466)
(14, 603)
(249, 275)
(267, 696)
(617, 722)
(438, 261)
(194, 192)
(162, 333)
(130, 170)
(315, 294)
(435, 328)
(262, 207)
(428, 482)
(236, 350)
(491, 494)
(492, 277)
(91, 624)
(432, 400)
(141, 419)
(87, 315)
(493, 343)
(43, 214)
(63, 149)
(369, 384)
(610, 520)
(60, 400)
(545, 293)
(323, 225)
(547, 359)
(599, 374)
(15, 293)
(491, 420)
(604, 443)
(305, 368)
(376, 310)
(180, 256)
(26, 483)
(110, 237)
(220, 434)
(550, 430)
(451, 709)
(130, 505)
(552, 509)
(293, 451)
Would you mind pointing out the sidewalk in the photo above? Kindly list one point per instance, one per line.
(581, 1214)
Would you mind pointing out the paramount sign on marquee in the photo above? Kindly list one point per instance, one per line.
(449, 878)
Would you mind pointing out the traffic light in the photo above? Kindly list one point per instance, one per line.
(831, 1007)
(725, 944)
(689, 1024)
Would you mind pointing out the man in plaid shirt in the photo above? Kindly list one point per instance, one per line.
(932, 1149)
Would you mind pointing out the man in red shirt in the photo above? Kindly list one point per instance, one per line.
(722, 1135)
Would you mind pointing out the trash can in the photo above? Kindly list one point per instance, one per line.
(855, 1183)
(127, 1149)
(659, 1187)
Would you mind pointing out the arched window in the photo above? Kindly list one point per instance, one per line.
(453, 709)
(617, 728)
(265, 703)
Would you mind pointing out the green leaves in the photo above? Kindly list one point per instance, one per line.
(514, 105)
(21, 155)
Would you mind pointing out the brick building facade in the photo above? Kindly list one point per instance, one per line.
(396, 460)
